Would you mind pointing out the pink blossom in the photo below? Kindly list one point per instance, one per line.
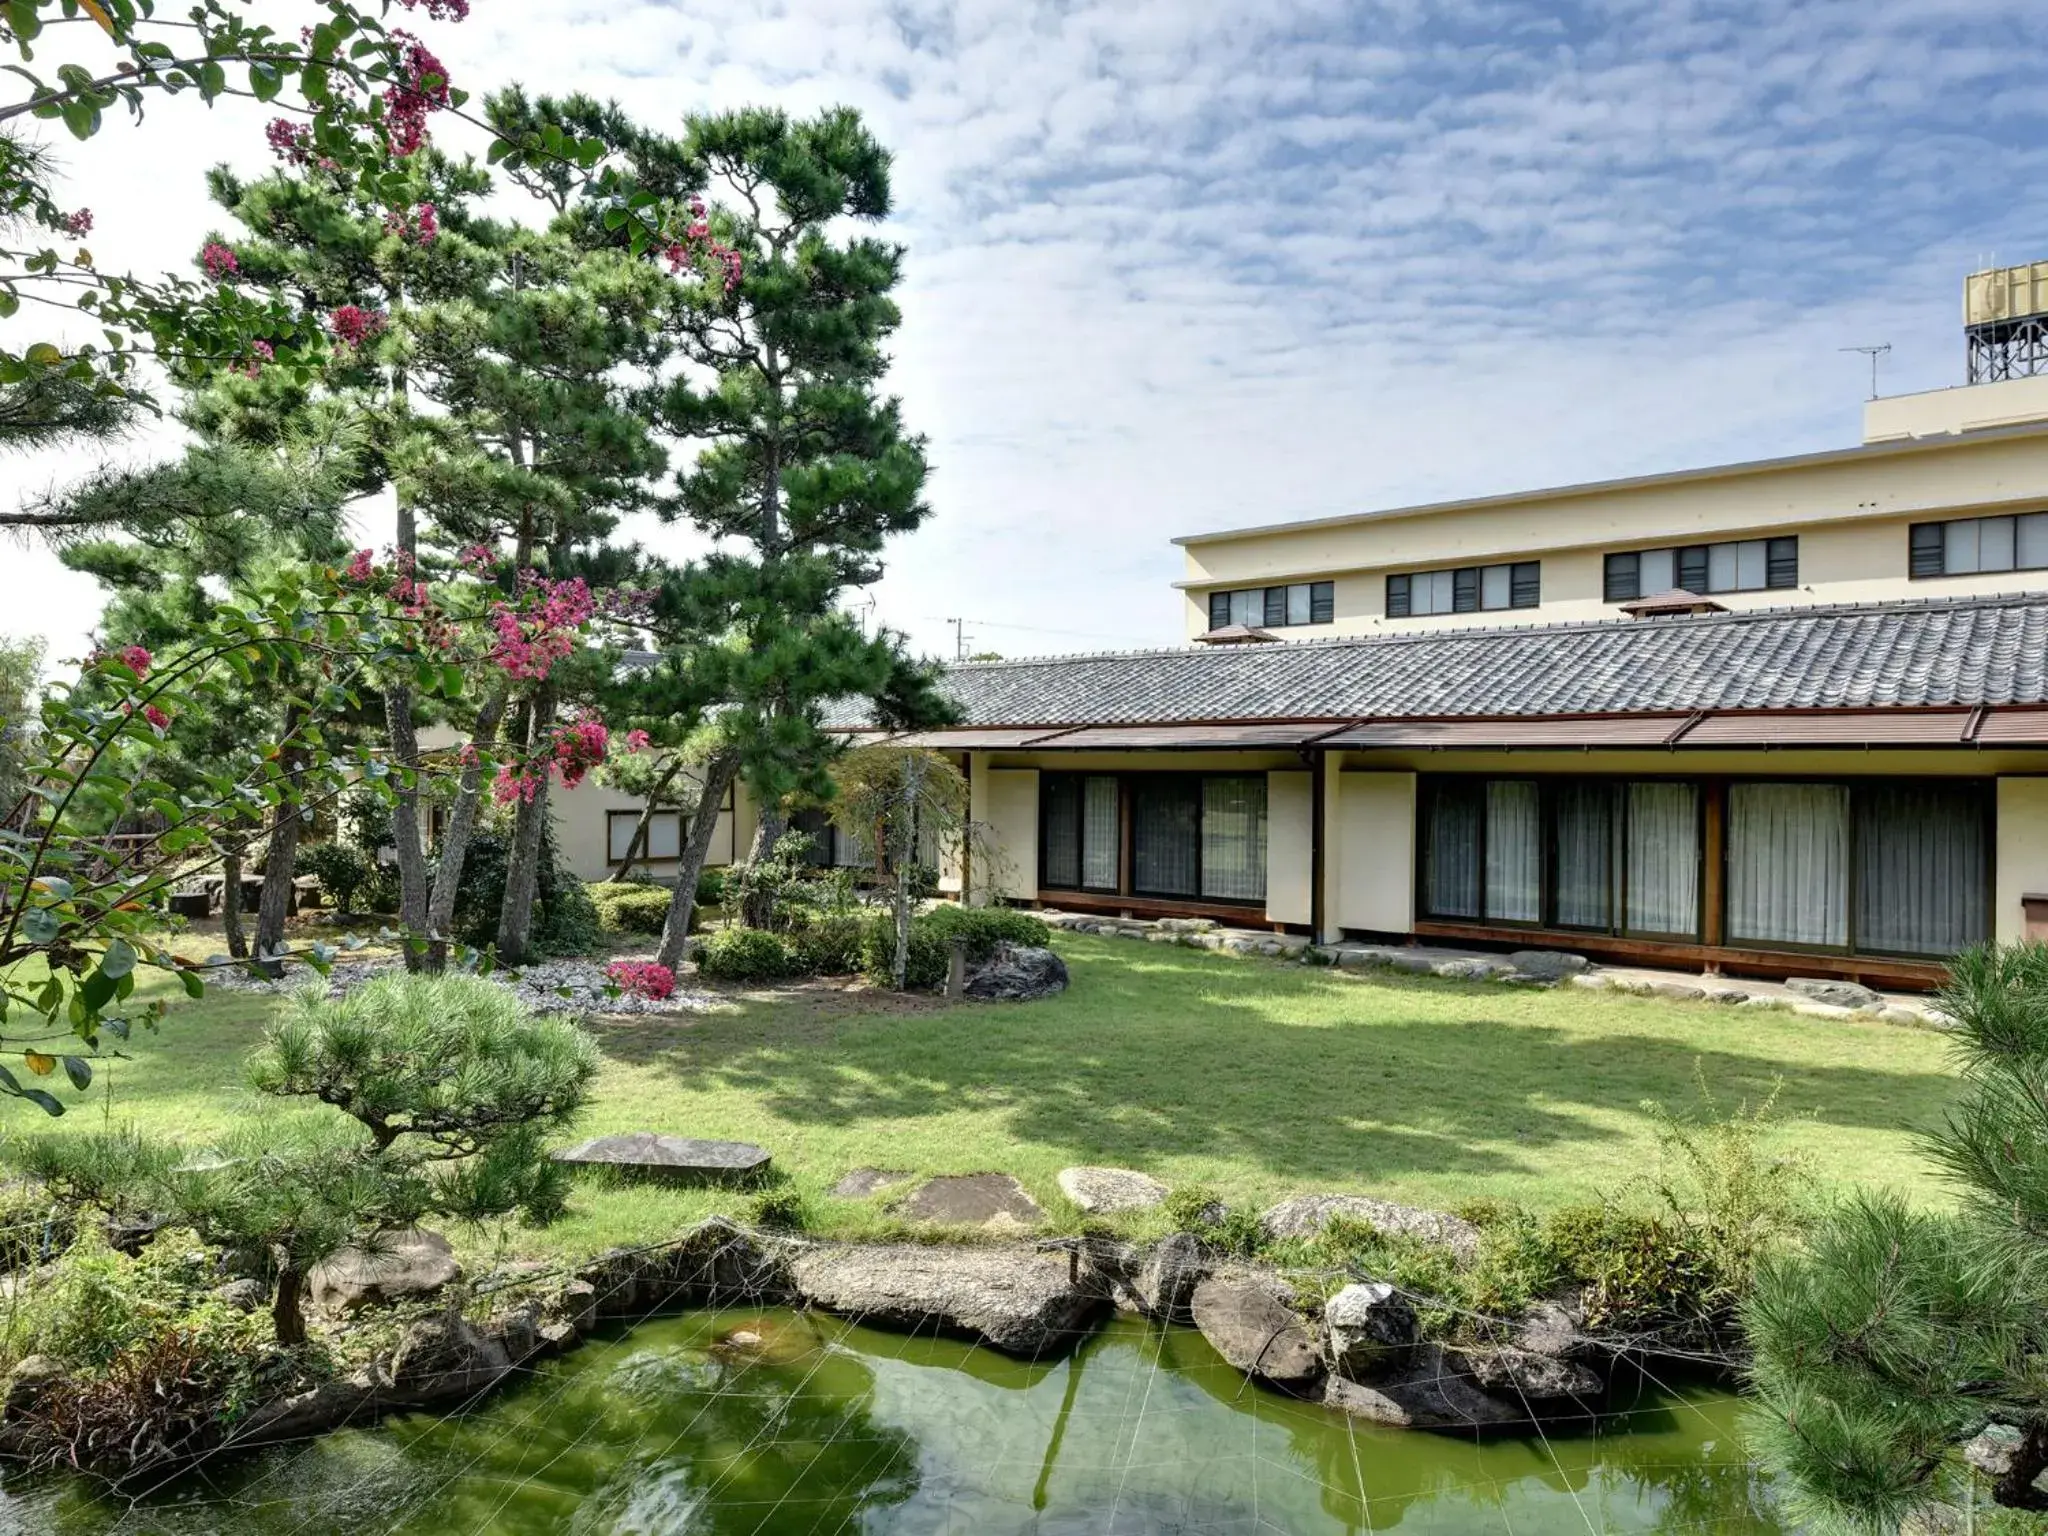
(537, 627)
(362, 568)
(354, 325)
(421, 224)
(260, 352)
(478, 559)
(510, 786)
(441, 10)
(218, 260)
(289, 141)
(642, 978)
(156, 717)
(410, 98)
(637, 741)
(79, 223)
(578, 747)
(137, 659)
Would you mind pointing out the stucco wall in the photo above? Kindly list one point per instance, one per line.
(2022, 852)
(1376, 884)
(1290, 858)
(1006, 800)
(580, 817)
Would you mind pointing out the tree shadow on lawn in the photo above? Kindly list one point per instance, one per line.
(1304, 1074)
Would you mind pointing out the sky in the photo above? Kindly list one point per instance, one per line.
(1179, 265)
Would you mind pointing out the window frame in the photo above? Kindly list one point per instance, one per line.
(1927, 543)
(1127, 862)
(632, 815)
(1523, 580)
(1080, 778)
(1276, 598)
(1780, 568)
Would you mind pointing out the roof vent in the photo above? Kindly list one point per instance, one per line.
(1667, 604)
(1237, 634)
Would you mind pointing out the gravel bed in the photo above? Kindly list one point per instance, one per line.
(546, 986)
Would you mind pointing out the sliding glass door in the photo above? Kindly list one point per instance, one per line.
(1080, 833)
(1788, 864)
(1194, 837)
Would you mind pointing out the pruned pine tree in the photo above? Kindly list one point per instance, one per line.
(1899, 1333)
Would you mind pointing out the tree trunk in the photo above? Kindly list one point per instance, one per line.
(231, 905)
(904, 840)
(522, 864)
(405, 826)
(455, 836)
(759, 908)
(285, 822)
(646, 820)
(285, 1317)
(719, 773)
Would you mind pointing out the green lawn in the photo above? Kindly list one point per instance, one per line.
(1260, 1078)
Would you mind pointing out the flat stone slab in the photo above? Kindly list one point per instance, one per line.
(670, 1159)
(859, 1183)
(1099, 1191)
(404, 1267)
(1017, 1300)
(972, 1200)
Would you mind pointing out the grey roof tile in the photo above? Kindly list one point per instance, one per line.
(1962, 651)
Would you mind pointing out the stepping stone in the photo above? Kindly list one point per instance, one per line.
(669, 1159)
(1101, 1190)
(862, 1182)
(972, 1200)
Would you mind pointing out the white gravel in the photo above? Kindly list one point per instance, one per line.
(546, 986)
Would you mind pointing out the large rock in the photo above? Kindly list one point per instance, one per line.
(972, 1200)
(714, 1264)
(1428, 1395)
(1371, 1330)
(404, 1267)
(1548, 1328)
(1547, 964)
(1017, 1300)
(1099, 1191)
(1306, 1215)
(1165, 1283)
(30, 1384)
(1017, 973)
(444, 1346)
(1836, 994)
(1517, 1373)
(1250, 1319)
(669, 1159)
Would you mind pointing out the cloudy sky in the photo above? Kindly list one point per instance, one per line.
(1188, 264)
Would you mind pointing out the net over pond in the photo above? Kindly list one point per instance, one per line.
(777, 1422)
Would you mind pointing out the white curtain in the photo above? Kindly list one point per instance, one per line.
(1788, 863)
(1100, 834)
(1451, 856)
(1920, 869)
(1234, 838)
(1663, 859)
(1514, 852)
(1585, 855)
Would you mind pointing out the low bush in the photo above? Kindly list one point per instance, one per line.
(746, 954)
(783, 1209)
(711, 888)
(642, 979)
(1198, 1209)
(344, 873)
(626, 907)
(983, 928)
(829, 946)
(928, 958)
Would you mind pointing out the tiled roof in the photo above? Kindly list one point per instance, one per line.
(1955, 652)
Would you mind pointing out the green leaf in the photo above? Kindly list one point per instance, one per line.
(194, 987)
(265, 81)
(43, 1101)
(97, 990)
(212, 79)
(10, 302)
(82, 118)
(117, 1027)
(39, 925)
(119, 959)
(23, 21)
(79, 1071)
(42, 354)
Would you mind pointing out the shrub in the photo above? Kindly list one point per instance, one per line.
(929, 955)
(565, 921)
(983, 927)
(746, 954)
(830, 946)
(1200, 1210)
(711, 888)
(648, 980)
(343, 872)
(623, 907)
(783, 1208)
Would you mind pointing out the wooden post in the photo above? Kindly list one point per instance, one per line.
(1318, 833)
(1713, 917)
(1126, 857)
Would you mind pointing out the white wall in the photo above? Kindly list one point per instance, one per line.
(1376, 828)
(2022, 852)
(1007, 800)
(1290, 858)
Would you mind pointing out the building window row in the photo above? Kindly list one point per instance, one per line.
(1302, 602)
(1964, 546)
(1468, 589)
(1882, 868)
(1193, 836)
(1745, 565)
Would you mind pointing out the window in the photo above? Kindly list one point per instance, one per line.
(1080, 838)
(1303, 602)
(1194, 837)
(664, 835)
(1603, 855)
(1747, 565)
(1469, 589)
(1898, 868)
(831, 847)
(1967, 546)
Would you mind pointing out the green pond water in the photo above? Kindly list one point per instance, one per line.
(831, 1427)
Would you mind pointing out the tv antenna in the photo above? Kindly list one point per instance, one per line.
(1882, 349)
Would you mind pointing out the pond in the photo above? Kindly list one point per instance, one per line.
(810, 1424)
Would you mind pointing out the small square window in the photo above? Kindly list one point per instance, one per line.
(1299, 610)
(1397, 597)
(1275, 613)
(1620, 582)
(2030, 552)
(1495, 587)
(1525, 584)
(1660, 572)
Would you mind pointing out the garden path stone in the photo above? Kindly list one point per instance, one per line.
(408, 1266)
(1017, 1300)
(1547, 964)
(1099, 1191)
(1840, 994)
(972, 1200)
(669, 1159)
(859, 1183)
(1250, 1319)
(1306, 1215)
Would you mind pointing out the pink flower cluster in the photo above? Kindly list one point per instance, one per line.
(218, 260)
(422, 88)
(639, 978)
(363, 568)
(291, 142)
(151, 713)
(698, 245)
(353, 325)
(260, 352)
(537, 628)
(79, 223)
(638, 741)
(579, 747)
(421, 225)
(441, 10)
(512, 784)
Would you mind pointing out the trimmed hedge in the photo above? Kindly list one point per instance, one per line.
(983, 927)
(746, 954)
(626, 907)
(841, 946)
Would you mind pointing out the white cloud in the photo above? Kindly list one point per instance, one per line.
(1178, 264)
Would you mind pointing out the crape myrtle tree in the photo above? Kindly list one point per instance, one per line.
(1899, 1333)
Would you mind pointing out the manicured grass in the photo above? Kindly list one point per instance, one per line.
(1260, 1078)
